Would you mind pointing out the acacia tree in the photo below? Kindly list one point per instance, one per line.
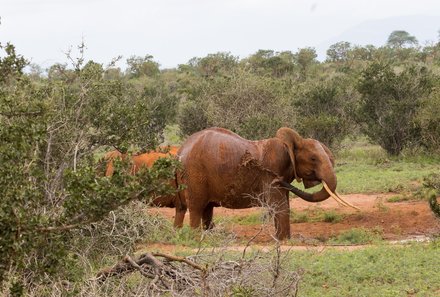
(139, 66)
(339, 52)
(277, 64)
(400, 38)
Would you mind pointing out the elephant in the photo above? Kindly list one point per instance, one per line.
(140, 160)
(148, 159)
(223, 169)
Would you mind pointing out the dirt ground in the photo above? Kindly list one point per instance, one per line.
(394, 221)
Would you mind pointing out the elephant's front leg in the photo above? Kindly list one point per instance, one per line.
(279, 202)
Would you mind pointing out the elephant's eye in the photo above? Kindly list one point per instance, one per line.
(313, 159)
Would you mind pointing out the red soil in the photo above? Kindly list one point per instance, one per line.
(394, 221)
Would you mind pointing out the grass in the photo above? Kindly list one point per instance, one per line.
(163, 232)
(357, 236)
(315, 215)
(374, 271)
(365, 168)
(257, 218)
(400, 198)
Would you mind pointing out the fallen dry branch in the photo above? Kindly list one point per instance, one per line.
(180, 259)
(182, 276)
(128, 265)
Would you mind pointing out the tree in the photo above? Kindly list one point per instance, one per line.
(304, 58)
(12, 64)
(324, 110)
(400, 38)
(139, 66)
(390, 102)
(277, 64)
(339, 52)
(215, 64)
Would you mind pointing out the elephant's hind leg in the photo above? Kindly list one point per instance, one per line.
(179, 216)
(197, 202)
(207, 216)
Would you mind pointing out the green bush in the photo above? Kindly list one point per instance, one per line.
(428, 117)
(250, 105)
(432, 183)
(390, 102)
(49, 184)
(192, 118)
(323, 109)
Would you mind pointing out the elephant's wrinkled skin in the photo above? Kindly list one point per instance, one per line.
(148, 159)
(224, 169)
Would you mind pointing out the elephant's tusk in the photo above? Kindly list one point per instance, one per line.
(337, 197)
(348, 203)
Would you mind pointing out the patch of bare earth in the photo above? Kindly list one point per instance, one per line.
(395, 221)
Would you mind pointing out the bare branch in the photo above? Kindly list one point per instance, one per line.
(180, 259)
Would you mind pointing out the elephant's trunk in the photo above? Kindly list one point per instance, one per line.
(322, 195)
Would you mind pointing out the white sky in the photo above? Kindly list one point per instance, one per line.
(173, 31)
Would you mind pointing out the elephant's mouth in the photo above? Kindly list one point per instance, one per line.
(308, 183)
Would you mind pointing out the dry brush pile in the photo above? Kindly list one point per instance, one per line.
(209, 274)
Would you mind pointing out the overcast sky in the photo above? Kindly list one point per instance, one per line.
(173, 31)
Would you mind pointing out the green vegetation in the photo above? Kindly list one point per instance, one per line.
(315, 215)
(310, 215)
(400, 198)
(432, 184)
(50, 183)
(357, 236)
(251, 219)
(374, 271)
(366, 168)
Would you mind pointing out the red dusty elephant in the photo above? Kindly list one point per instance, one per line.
(148, 160)
(224, 169)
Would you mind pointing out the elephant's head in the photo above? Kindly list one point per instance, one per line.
(312, 163)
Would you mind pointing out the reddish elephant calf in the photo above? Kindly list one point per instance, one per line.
(148, 159)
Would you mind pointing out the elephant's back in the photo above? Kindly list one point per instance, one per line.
(216, 146)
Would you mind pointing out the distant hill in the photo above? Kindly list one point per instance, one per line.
(376, 31)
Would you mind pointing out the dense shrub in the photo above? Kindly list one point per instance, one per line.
(49, 183)
(192, 117)
(325, 110)
(248, 104)
(428, 118)
(390, 102)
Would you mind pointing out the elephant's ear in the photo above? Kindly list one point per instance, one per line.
(329, 153)
(293, 141)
